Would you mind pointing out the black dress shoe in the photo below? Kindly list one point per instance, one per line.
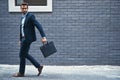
(40, 70)
(18, 75)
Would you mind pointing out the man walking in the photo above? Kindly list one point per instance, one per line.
(27, 36)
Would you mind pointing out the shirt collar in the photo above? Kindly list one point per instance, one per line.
(24, 15)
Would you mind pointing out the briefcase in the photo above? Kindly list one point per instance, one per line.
(48, 49)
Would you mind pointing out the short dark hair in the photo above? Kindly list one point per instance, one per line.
(24, 3)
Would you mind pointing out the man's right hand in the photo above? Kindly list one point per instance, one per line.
(19, 43)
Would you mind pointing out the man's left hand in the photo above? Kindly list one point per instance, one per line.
(44, 40)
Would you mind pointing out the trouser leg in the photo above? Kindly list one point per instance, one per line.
(23, 53)
(33, 61)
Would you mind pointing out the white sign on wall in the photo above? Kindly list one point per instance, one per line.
(34, 5)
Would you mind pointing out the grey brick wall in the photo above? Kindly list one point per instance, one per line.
(86, 32)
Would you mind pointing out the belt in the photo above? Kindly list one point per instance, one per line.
(23, 36)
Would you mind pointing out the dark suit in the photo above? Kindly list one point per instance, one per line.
(29, 28)
(30, 36)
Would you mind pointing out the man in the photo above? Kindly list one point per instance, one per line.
(27, 36)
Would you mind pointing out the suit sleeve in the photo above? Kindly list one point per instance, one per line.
(38, 25)
(20, 34)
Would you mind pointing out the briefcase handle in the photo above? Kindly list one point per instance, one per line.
(45, 43)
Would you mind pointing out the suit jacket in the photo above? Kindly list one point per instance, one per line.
(29, 28)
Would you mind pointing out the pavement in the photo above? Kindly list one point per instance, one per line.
(104, 72)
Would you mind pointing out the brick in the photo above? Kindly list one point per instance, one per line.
(85, 32)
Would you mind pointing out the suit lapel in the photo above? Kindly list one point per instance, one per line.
(26, 20)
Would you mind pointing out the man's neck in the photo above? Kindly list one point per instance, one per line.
(24, 13)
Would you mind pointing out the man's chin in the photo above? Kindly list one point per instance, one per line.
(24, 12)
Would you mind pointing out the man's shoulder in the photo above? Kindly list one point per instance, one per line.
(30, 14)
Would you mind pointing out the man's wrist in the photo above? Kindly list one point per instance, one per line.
(44, 37)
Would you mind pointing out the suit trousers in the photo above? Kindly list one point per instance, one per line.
(24, 49)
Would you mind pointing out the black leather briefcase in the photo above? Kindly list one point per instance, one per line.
(48, 49)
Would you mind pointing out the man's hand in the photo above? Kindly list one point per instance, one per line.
(19, 43)
(44, 40)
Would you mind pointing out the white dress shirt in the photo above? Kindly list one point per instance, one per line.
(22, 24)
